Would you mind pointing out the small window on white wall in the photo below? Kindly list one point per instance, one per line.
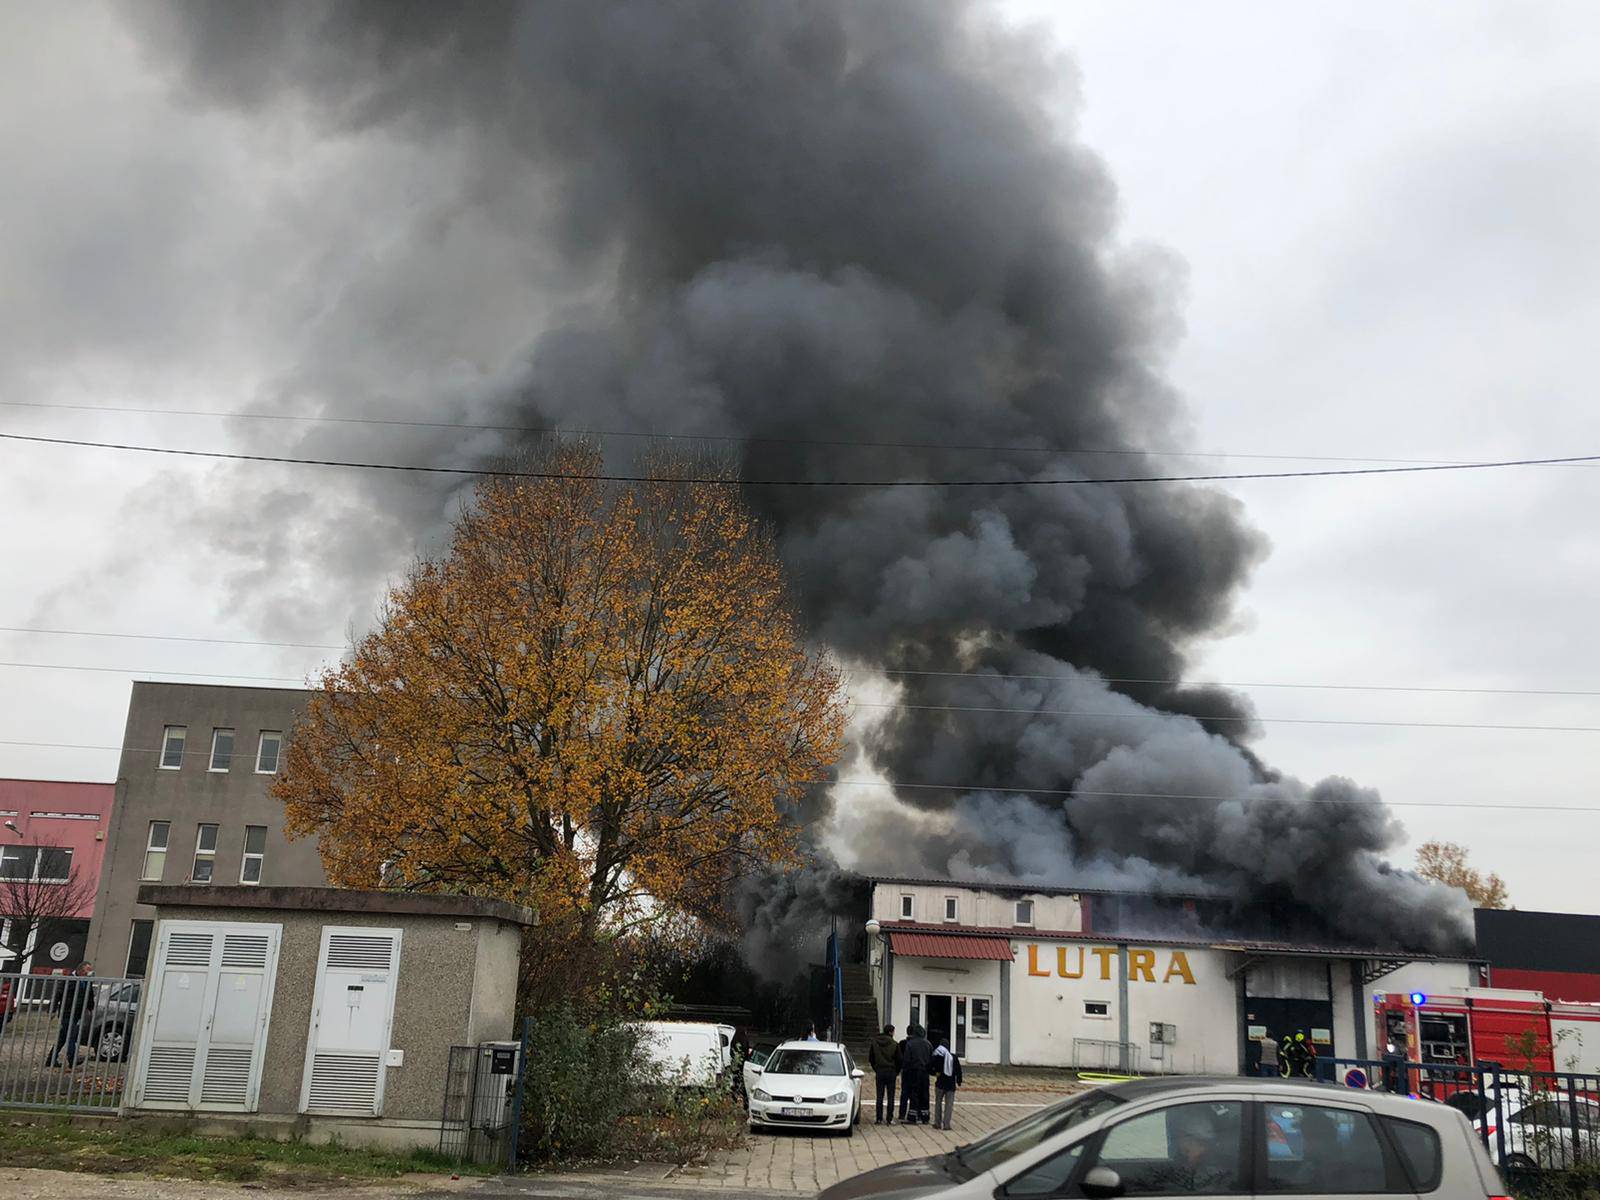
(1097, 1008)
(951, 908)
(908, 908)
(1024, 912)
(980, 1016)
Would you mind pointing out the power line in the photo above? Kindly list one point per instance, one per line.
(1341, 687)
(954, 708)
(869, 671)
(1165, 716)
(716, 481)
(167, 637)
(300, 679)
(755, 439)
(1031, 791)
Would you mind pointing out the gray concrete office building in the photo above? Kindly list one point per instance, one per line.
(192, 806)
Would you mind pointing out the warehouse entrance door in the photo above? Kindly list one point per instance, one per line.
(1283, 997)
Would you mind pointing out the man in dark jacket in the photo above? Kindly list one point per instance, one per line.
(883, 1056)
(916, 1056)
(77, 1006)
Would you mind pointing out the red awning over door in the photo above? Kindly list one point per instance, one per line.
(949, 945)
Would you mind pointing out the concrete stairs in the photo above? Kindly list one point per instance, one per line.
(860, 1009)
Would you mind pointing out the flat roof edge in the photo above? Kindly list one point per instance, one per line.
(337, 900)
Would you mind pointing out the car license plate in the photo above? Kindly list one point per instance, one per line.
(797, 1112)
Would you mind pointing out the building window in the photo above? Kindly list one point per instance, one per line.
(268, 752)
(908, 908)
(916, 1008)
(155, 851)
(1024, 912)
(205, 853)
(35, 864)
(980, 1016)
(1097, 1008)
(221, 749)
(255, 849)
(950, 908)
(139, 949)
(172, 741)
(55, 864)
(17, 862)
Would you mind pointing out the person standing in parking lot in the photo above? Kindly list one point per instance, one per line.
(916, 1056)
(946, 1079)
(883, 1056)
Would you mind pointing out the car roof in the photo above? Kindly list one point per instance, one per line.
(805, 1044)
(1306, 1090)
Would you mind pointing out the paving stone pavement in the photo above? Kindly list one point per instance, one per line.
(795, 1161)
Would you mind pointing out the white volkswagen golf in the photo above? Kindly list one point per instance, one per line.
(806, 1085)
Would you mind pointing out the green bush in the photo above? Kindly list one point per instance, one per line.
(583, 1079)
(592, 1095)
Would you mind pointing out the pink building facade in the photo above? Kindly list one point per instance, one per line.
(51, 831)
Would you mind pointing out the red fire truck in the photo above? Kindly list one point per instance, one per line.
(1521, 1031)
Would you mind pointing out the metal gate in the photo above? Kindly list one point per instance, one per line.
(66, 1040)
(1531, 1122)
(483, 1102)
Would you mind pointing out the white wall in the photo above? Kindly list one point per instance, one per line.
(1206, 1014)
(1048, 1013)
(951, 977)
(975, 908)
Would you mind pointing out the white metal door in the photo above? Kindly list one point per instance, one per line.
(202, 1040)
(351, 1019)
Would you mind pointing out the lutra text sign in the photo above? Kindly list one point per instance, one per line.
(1071, 962)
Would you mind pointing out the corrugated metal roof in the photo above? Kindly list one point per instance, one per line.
(950, 945)
(897, 930)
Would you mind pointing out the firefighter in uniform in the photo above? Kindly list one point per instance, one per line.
(1297, 1056)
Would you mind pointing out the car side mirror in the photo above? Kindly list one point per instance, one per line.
(858, 1073)
(755, 1068)
(1102, 1183)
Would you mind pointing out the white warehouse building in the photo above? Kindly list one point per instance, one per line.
(1038, 976)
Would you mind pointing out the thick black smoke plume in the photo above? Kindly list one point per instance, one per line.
(855, 239)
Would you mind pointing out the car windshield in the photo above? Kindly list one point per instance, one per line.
(1029, 1132)
(805, 1062)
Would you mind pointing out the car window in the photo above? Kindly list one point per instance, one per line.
(1021, 1136)
(806, 1062)
(1048, 1178)
(1419, 1147)
(1183, 1150)
(1325, 1151)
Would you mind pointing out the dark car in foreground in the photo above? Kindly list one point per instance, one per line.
(1198, 1136)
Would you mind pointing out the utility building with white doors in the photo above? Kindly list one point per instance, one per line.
(319, 1012)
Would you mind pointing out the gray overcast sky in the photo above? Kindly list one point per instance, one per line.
(1384, 212)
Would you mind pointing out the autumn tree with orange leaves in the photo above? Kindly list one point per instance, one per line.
(597, 702)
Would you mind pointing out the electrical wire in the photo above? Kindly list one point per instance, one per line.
(953, 708)
(752, 439)
(718, 481)
(300, 679)
(1197, 683)
(873, 671)
(170, 637)
(1228, 717)
(1030, 791)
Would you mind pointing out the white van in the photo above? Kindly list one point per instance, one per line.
(688, 1053)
